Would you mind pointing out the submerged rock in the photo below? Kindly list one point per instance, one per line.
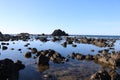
(12, 48)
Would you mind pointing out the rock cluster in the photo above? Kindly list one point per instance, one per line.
(21, 36)
(45, 55)
(98, 42)
(82, 57)
(110, 59)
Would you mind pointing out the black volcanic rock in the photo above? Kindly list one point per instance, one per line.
(59, 32)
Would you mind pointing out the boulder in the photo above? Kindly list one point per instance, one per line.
(10, 70)
(43, 60)
(4, 47)
(28, 54)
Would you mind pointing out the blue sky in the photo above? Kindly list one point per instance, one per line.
(98, 17)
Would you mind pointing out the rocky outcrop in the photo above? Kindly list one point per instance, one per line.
(10, 70)
(111, 59)
(59, 32)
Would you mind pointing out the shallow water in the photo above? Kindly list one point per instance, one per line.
(72, 70)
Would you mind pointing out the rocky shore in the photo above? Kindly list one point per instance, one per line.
(107, 56)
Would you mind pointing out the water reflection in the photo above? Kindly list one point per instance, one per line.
(43, 67)
(78, 69)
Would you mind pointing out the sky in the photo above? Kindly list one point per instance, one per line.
(83, 17)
